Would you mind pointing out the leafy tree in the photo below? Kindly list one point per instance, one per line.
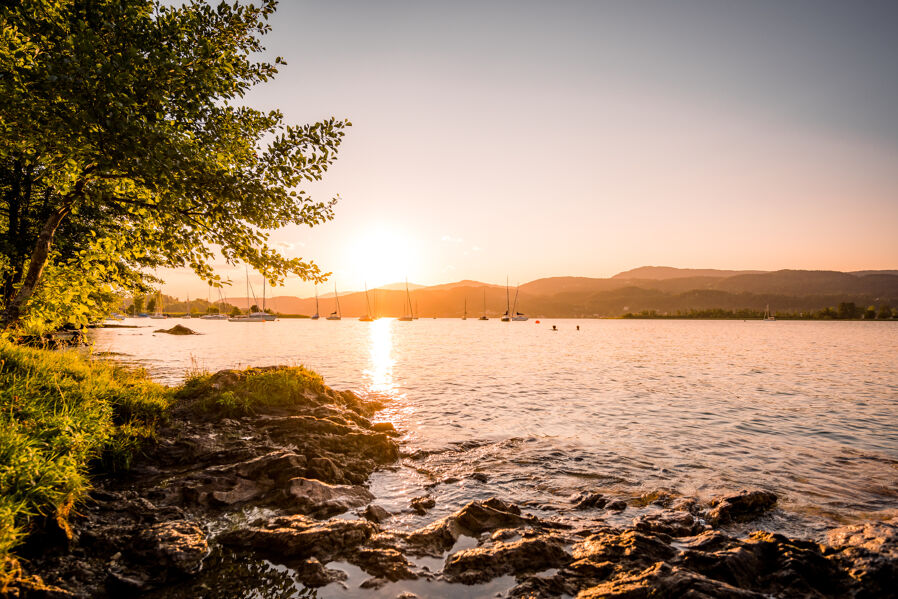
(254, 308)
(870, 313)
(235, 311)
(138, 304)
(121, 121)
(151, 305)
(885, 311)
(848, 310)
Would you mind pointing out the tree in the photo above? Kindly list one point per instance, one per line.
(848, 310)
(885, 311)
(121, 135)
(137, 303)
(254, 308)
(870, 313)
(235, 311)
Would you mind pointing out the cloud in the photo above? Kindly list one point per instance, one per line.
(452, 239)
(476, 248)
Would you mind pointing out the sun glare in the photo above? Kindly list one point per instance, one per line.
(381, 256)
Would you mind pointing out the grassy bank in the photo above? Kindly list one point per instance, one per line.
(60, 415)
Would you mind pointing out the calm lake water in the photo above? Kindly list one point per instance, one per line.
(808, 410)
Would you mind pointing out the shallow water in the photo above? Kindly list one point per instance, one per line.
(808, 410)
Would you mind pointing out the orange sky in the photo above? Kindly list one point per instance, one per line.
(542, 139)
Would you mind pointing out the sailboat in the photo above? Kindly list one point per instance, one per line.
(218, 316)
(158, 313)
(253, 316)
(188, 315)
(367, 316)
(407, 316)
(464, 314)
(767, 316)
(263, 315)
(507, 316)
(484, 306)
(316, 316)
(516, 316)
(336, 315)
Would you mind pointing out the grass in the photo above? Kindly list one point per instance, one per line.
(238, 393)
(60, 414)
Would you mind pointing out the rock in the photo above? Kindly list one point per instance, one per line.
(629, 546)
(743, 506)
(664, 580)
(313, 574)
(473, 519)
(177, 546)
(177, 330)
(480, 477)
(422, 504)
(321, 500)
(298, 536)
(375, 513)
(481, 564)
(669, 522)
(587, 501)
(384, 427)
(490, 514)
(869, 553)
(388, 564)
(616, 506)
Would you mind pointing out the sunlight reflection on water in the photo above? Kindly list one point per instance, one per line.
(806, 409)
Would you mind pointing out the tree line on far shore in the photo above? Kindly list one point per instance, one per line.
(844, 311)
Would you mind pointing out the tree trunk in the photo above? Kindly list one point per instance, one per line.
(36, 266)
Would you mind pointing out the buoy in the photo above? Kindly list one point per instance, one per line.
(537, 322)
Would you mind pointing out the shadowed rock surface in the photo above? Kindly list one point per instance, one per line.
(265, 499)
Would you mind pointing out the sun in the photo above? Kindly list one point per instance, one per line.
(381, 255)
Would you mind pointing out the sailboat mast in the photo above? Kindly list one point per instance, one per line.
(337, 298)
(367, 301)
(507, 305)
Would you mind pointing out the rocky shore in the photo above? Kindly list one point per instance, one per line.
(273, 502)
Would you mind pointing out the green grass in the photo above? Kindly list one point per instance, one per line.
(62, 413)
(239, 393)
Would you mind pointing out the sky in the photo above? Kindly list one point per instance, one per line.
(531, 139)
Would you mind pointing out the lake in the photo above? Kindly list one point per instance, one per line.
(808, 410)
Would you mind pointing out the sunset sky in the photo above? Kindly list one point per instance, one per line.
(535, 139)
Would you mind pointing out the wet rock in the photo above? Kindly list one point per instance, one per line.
(177, 546)
(587, 501)
(422, 504)
(664, 580)
(375, 513)
(616, 506)
(313, 574)
(869, 554)
(481, 564)
(321, 500)
(388, 564)
(741, 507)
(473, 519)
(669, 522)
(384, 427)
(773, 564)
(480, 477)
(299, 536)
(628, 546)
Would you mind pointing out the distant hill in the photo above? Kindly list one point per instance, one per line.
(661, 273)
(686, 289)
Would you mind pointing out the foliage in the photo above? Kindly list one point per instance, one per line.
(121, 131)
(233, 393)
(60, 412)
